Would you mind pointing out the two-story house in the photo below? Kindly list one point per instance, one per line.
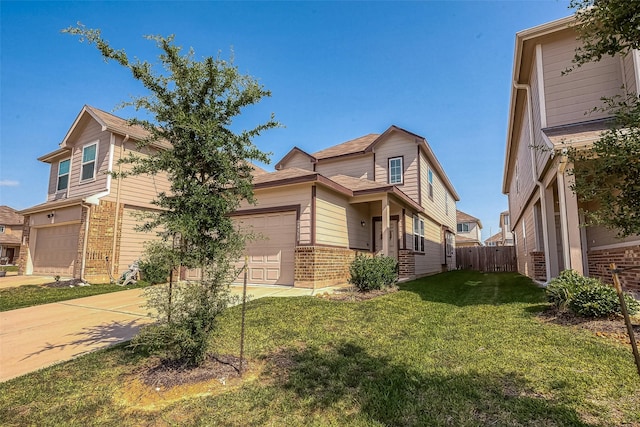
(468, 231)
(550, 110)
(378, 194)
(504, 237)
(11, 224)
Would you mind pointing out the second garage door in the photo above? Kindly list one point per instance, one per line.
(56, 249)
(271, 256)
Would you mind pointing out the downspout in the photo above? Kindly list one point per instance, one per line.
(534, 172)
(117, 217)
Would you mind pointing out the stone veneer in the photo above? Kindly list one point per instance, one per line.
(623, 257)
(539, 266)
(321, 266)
(24, 247)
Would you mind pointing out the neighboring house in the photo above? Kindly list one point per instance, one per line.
(548, 112)
(11, 224)
(469, 230)
(504, 237)
(378, 194)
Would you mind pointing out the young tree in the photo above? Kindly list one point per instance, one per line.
(608, 173)
(193, 104)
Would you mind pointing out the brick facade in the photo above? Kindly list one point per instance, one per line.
(623, 257)
(406, 264)
(320, 266)
(539, 266)
(102, 230)
(24, 247)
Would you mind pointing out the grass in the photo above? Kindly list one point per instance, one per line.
(9, 268)
(30, 295)
(456, 349)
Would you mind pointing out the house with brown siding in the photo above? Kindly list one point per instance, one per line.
(11, 223)
(549, 111)
(378, 194)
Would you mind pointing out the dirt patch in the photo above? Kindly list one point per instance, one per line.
(612, 328)
(352, 294)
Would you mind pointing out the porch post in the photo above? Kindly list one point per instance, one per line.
(572, 243)
(385, 225)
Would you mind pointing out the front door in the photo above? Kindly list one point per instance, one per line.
(393, 238)
(10, 255)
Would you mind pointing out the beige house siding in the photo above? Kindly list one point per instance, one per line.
(338, 223)
(436, 206)
(631, 72)
(569, 97)
(521, 184)
(356, 166)
(132, 243)
(398, 145)
(285, 196)
(431, 261)
(137, 190)
(601, 236)
(526, 241)
(90, 133)
(299, 160)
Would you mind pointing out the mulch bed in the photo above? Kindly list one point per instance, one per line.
(353, 295)
(612, 328)
(168, 373)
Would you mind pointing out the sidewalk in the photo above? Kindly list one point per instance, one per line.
(36, 337)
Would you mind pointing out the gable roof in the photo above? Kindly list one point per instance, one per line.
(465, 217)
(10, 216)
(367, 143)
(291, 153)
(495, 238)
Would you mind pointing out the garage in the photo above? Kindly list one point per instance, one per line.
(271, 255)
(56, 249)
(132, 243)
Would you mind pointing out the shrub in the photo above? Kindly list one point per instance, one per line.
(154, 270)
(370, 273)
(587, 296)
(562, 289)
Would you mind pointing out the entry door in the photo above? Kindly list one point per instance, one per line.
(393, 238)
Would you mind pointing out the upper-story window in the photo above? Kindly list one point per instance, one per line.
(89, 153)
(446, 203)
(63, 175)
(430, 182)
(418, 234)
(463, 227)
(506, 220)
(395, 170)
(1, 229)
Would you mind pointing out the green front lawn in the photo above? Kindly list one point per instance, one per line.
(30, 295)
(456, 349)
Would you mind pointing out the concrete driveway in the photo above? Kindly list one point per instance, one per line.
(36, 337)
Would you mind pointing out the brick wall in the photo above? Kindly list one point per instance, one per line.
(100, 241)
(24, 247)
(539, 265)
(625, 257)
(406, 264)
(319, 266)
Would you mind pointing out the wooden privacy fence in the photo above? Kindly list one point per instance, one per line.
(487, 258)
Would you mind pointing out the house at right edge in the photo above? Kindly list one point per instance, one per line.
(549, 111)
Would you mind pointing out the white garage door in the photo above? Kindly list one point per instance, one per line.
(271, 256)
(56, 249)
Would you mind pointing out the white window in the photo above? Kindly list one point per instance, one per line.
(418, 234)
(1, 229)
(463, 227)
(506, 220)
(89, 153)
(449, 243)
(395, 170)
(430, 179)
(63, 175)
(517, 180)
(446, 203)
(524, 238)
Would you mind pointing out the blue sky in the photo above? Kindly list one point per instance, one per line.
(337, 71)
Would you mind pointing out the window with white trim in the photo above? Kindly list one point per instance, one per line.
(395, 170)
(418, 234)
(63, 175)
(446, 203)
(506, 219)
(1, 229)
(463, 227)
(449, 242)
(89, 154)
(430, 182)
